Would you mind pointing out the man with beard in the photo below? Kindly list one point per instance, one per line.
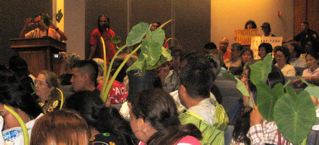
(104, 30)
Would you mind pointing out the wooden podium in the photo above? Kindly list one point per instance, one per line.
(39, 53)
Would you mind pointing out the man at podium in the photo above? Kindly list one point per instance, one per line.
(41, 27)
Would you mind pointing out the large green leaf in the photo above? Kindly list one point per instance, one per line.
(313, 90)
(278, 91)
(265, 101)
(259, 71)
(294, 115)
(139, 64)
(241, 87)
(137, 33)
(151, 46)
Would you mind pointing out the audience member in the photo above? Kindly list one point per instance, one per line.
(225, 51)
(247, 56)
(13, 95)
(154, 120)
(196, 76)
(306, 35)
(43, 27)
(311, 73)
(105, 124)
(264, 49)
(103, 30)
(68, 60)
(213, 54)
(20, 67)
(296, 58)
(46, 88)
(266, 30)
(282, 61)
(84, 76)
(234, 65)
(60, 128)
(250, 24)
(262, 131)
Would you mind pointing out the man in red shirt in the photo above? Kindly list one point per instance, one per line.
(104, 30)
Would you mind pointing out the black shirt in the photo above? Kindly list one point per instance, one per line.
(306, 36)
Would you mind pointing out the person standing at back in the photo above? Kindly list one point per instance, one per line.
(103, 30)
(307, 35)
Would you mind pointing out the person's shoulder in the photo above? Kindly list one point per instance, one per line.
(188, 140)
(111, 32)
(95, 31)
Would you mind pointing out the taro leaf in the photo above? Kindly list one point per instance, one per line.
(294, 115)
(151, 46)
(260, 70)
(241, 87)
(137, 33)
(138, 64)
(265, 101)
(312, 89)
(278, 91)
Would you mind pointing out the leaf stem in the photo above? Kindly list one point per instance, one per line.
(108, 87)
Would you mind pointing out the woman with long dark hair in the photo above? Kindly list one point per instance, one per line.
(154, 120)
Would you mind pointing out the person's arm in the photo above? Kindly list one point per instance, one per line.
(27, 22)
(93, 43)
(255, 132)
(92, 51)
(61, 33)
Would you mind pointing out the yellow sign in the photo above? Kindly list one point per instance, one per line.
(244, 36)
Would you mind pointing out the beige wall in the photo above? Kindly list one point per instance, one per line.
(74, 25)
(229, 15)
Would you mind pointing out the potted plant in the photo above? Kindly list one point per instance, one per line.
(152, 54)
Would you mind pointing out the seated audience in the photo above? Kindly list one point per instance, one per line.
(60, 128)
(84, 77)
(282, 61)
(311, 73)
(225, 51)
(234, 65)
(106, 126)
(13, 95)
(296, 58)
(262, 131)
(154, 120)
(247, 57)
(68, 60)
(264, 49)
(46, 88)
(196, 77)
(20, 67)
(213, 55)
